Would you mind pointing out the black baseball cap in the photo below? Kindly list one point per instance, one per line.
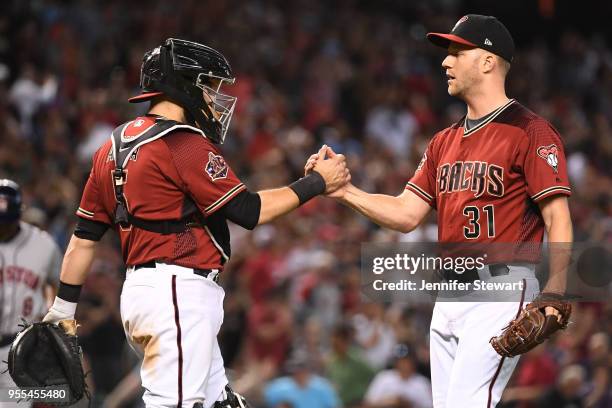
(479, 31)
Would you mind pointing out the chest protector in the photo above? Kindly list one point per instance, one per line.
(123, 148)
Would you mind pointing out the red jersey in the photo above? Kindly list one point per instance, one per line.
(486, 182)
(165, 179)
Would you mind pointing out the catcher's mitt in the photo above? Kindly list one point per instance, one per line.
(532, 326)
(46, 355)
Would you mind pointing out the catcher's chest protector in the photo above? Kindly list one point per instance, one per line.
(124, 146)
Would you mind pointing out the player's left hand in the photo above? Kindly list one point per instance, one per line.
(546, 314)
(60, 310)
(336, 179)
(338, 193)
(332, 169)
(47, 355)
(310, 163)
(551, 311)
(314, 158)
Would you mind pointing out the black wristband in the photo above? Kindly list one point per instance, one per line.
(308, 187)
(68, 292)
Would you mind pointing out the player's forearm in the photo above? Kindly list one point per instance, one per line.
(77, 260)
(385, 210)
(560, 237)
(280, 201)
(275, 203)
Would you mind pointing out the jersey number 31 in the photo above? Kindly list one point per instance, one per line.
(472, 230)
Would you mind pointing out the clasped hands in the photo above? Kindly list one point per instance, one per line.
(332, 167)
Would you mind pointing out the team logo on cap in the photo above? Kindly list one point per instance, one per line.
(216, 168)
(461, 20)
(550, 153)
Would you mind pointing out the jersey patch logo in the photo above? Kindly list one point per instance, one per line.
(550, 153)
(216, 168)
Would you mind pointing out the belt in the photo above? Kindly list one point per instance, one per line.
(7, 339)
(471, 275)
(212, 274)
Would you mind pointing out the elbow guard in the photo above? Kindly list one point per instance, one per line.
(243, 209)
(90, 230)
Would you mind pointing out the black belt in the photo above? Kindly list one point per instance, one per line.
(201, 272)
(471, 275)
(7, 339)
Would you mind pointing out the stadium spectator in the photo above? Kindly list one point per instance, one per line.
(349, 373)
(401, 386)
(302, 388)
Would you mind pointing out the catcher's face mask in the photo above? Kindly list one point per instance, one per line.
(220, 106)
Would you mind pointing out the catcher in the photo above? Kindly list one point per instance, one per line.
(162, 183)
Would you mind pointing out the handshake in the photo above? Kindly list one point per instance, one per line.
(332, 167)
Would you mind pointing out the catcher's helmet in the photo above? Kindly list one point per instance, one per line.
(10, 201)
(184, 71)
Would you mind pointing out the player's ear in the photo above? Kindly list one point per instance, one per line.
(488, 62)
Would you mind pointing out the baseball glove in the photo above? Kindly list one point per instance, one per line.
(532, 327)
(46, 355)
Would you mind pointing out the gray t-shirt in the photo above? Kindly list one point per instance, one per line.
(472, 123)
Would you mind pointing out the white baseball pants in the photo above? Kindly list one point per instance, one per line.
(466, 372)
(172, 317)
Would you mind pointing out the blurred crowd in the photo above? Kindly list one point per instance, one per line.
(359, 78)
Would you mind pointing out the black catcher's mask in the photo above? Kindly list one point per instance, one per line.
(190, 75)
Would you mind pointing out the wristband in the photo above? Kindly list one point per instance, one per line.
(62, 309)
(68, 292)
(308, 187)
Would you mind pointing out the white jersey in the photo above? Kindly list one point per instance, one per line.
(27, 262)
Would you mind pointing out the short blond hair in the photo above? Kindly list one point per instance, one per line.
(504, 64)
